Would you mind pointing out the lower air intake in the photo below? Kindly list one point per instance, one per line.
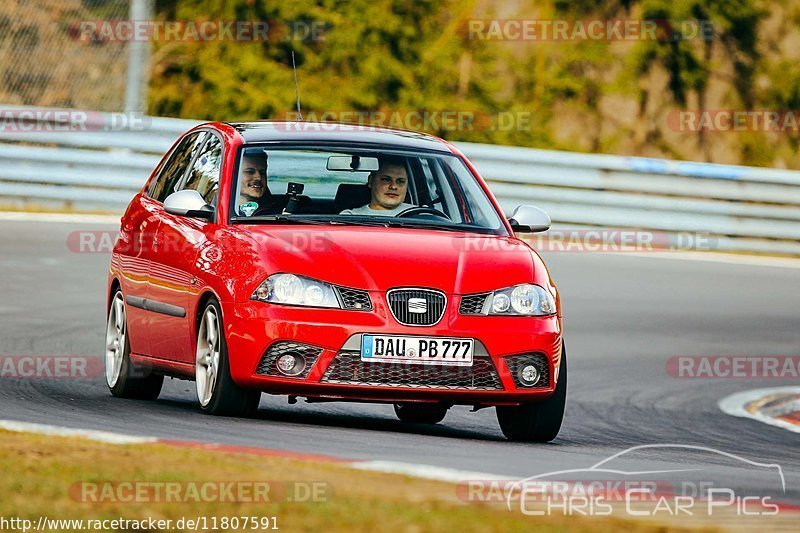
(348, 368)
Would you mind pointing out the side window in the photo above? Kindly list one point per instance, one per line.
(413, 195)
(204, 174)
(434, 193)
(175, 167)
(442, 193)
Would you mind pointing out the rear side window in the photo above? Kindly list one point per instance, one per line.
(204, 175)
(175, 167)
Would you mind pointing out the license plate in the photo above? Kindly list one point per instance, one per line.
(420, 350)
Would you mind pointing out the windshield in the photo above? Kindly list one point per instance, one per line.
(357, 186)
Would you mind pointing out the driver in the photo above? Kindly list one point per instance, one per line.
(388, 186)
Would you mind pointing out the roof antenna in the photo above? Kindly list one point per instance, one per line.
(297, 90)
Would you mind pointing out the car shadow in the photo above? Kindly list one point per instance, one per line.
(372, 423)
(359, 421)
(443, 429)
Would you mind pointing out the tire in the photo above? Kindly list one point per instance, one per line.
(216, 391)
(125, 380)
(540, 421)
(420, 413)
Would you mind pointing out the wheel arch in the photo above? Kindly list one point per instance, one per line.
(202, 301)
(113, 288)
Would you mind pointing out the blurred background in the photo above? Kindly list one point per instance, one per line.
(666, 115)
(664, 124)
(586, 95)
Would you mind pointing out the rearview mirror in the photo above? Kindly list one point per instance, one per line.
(529, 219)
(352, 163)
(188, 203)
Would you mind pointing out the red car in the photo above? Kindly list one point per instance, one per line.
(334, 263)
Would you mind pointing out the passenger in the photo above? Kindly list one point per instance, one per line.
(388, 186)
(254, 193)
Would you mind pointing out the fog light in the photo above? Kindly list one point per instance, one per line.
(290, 364)
(529, 375)
(500, 303)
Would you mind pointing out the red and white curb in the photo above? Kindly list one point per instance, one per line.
(777, 406)
(434, 473)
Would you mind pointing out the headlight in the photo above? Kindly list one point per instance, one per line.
(289, 289)
(526, 300)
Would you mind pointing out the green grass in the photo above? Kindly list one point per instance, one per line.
(41, 476)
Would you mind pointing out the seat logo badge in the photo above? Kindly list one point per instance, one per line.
(417, 305)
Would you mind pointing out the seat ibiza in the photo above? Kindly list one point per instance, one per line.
(334, 263)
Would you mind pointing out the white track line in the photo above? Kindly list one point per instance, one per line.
(22, 216)
(99, 436)
(734, 405)
(435, 473)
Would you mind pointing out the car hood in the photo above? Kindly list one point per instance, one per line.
(381, 258)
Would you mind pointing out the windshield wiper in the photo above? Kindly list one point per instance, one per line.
(291, 219)
(424, 225)
(385, 222)
(390, 222)
(360, 222)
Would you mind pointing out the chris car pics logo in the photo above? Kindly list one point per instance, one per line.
(635, 482)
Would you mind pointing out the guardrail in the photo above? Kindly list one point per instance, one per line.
(742, 208)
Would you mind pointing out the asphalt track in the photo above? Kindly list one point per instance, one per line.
(626, 315)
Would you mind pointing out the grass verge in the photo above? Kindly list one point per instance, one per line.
(48, 476)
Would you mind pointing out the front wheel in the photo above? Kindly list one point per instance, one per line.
(537, 422)
(216, 391)
(420, 413)
(123, 379)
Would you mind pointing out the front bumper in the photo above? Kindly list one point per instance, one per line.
(253, 327)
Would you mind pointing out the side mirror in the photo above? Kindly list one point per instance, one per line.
(529, 219)
(188, 203)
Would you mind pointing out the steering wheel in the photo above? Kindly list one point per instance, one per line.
(413, 211)
(267, 210)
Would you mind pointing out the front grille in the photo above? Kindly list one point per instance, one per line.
(266, 366)
(431, 303)
(354, 299)
(347, 368)
(515, 362)
(472, 304)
